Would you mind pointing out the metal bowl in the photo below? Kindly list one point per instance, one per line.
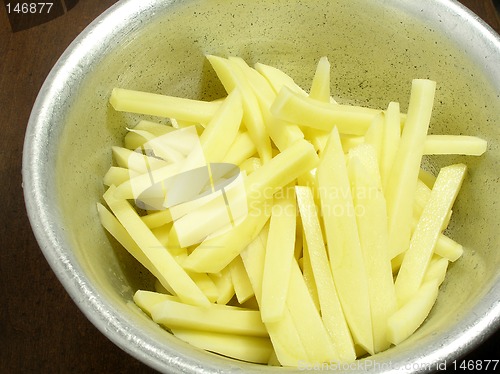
(376, 48)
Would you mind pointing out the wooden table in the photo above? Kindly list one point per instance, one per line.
(41, 329)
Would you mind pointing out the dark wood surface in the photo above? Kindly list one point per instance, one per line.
(41, 329)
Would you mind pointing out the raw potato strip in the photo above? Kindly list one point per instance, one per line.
(241, 150)
(448, 248)
(279, 255)
(252, 117)
(375, 136)
(224, 284)
(223, 319)
(241, 283)
(293, 107)
(315, 338)
(370, 206)
(407, 319)
(331, 310)
(344, 248)
(277, 79)
(320, 90)
(246, 348)
(403, 177)
(135, 161)
(436, 270)
(225, 121)
(116, 175)
(283, 134)
(157, 219)
(283, 333)
(390, 142)
(429, 226)
(124, 100)
(163, 264)
(454, 145)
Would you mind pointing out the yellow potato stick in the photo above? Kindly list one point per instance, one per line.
(124, 100)
(412, 314)
(225, 121)
(320, 90)
(231, 79)
(283, 333)
(279, 255)
(239, 277)
(436, 270)
(154, 128)
(403, 177)
(224, 285)
(320, 87)
(454, 145)
(342, 238)
(306, 267)
(307, 320)
(147, 299)
(117, 175)
(390, 142)
(426, 233)
(116, 229)
(448, 248)
(331, 310)
(221, 319)
(136, 161)
(240, 347)
(370, 205)
(242, 149)
(136, 138)
(278, 78)
(293, 107)
(283, 134)
(163, 264)
(206, 285)
(157, 218)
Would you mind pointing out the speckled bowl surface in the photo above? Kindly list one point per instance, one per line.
(375, 47)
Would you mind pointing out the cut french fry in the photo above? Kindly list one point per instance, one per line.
(390, 143)
(147, 299)
(279, 256)
(344, 248)
(154, 128)
(124, 100)
(135, 161)
(225, 121)
(246, 348)
(370, 205)
(224, 285)
(307, 320)
(227, 320)
(411, 315)
(331, 310)
(375, 136)
(277, 79)
(448, 248)
(117, 175)
(283, 333)
(293, 107)
(157, 218)
(281, 133)
(231, 79)
(242, 149)
(424, 238)
(250, 165)
(161, 262)
(239, 277)
(402, 180)
(454, 145)
(436, 270)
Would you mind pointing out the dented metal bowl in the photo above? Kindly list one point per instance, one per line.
(375, 47)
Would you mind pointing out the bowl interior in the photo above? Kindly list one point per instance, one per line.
(375, 48)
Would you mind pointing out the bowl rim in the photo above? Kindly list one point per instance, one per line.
(39, 201)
